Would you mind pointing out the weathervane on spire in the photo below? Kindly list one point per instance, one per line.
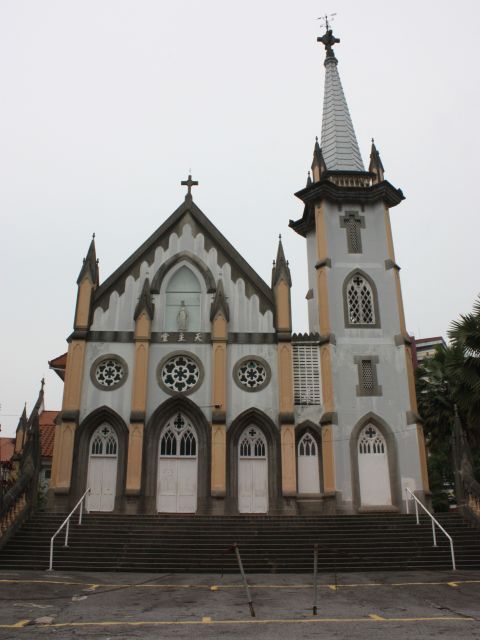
(328, 39)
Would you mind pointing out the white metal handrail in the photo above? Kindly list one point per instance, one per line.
(67, 523)
(434, 522)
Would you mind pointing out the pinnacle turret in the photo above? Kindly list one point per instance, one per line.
(280, 269)
(90, 265)
(144, 302)
(376, 166)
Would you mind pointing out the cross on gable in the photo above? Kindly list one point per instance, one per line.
(189, 183)
(358, 281)
(370, 432)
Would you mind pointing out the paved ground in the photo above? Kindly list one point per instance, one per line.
(113, 605)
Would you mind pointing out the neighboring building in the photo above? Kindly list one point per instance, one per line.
(425, 348)
(47, 437)
(186, 391)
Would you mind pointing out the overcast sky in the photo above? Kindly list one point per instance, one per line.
(106, 104)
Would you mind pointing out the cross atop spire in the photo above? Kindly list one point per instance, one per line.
(189, 183)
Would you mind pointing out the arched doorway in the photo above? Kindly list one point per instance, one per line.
(252, 472)
(308, 465)
(373, 469)
(177, 467)
(102, 469)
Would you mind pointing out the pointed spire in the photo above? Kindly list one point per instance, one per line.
(339, 143)
(318, 162)
(219, 304)
(144, 302)
(281, 270)
(90, 265)
(376, 165)
(309, 180)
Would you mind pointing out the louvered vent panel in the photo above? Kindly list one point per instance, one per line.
(306, 373)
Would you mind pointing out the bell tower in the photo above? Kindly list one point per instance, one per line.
(355, 304)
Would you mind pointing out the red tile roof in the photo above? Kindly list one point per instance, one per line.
(7, 447)
(47, 432)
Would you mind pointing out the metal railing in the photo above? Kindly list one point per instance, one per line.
(66, 523)
(434, 522)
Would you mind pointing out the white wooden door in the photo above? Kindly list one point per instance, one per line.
(102, 469)
(252, 472)
(308, 469)
(373, 468)
(177, 467)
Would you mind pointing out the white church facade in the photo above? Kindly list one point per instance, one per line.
(187, 392)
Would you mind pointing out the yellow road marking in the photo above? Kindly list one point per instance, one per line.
(18, 625)
(206, 620)
(217, 587)
(373, 618)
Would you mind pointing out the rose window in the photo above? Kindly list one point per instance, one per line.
(252, 374)
(109, 373)
(180, 373)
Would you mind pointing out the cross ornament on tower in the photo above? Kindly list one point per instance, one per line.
(189, 183)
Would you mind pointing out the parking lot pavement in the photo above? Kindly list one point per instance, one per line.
(125, 605)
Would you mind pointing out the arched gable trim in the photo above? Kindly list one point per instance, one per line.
(348, 324)
(271, 432)
(392, 455)
(154, 428)
(180, 257)
(81, 452)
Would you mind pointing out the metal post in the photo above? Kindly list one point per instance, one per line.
(66, 533)
(247, 588)
(315, 576)
(407, 501)
(434, 534)
(50, 566)
(416, 512)
(454, 566)
(81, 512)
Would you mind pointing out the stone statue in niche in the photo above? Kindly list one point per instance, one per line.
(182, 317)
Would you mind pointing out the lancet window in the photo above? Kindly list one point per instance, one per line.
(360, 301)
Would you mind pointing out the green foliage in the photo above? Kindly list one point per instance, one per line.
(449, 379)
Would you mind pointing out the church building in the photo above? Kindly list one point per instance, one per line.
(187, 392)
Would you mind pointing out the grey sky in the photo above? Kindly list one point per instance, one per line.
(106, 104)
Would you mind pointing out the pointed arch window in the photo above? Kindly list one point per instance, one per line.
(360, 300)
(104, 441)
(252, 444)
(371, 441)
(178, 438)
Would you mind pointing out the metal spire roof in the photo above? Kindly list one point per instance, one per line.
(339, 143)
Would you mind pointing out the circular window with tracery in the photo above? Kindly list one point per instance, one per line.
(109, 372)
(252, 373)
(180, 373)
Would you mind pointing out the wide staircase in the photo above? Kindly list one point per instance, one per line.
(110, 542)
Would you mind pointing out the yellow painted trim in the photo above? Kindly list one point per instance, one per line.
(63, 456)
(328, 460)
(219, 327)
(140, 376)
(285, 377)
(283, 307)
(19, 441)
(134, 463)
(398, 286)
(219, 460)
(142, 327)
(84, 298)
(219, 374)
(411, 379)
(289, 460)
(327, 378)
(423, 457)
(74, 376)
